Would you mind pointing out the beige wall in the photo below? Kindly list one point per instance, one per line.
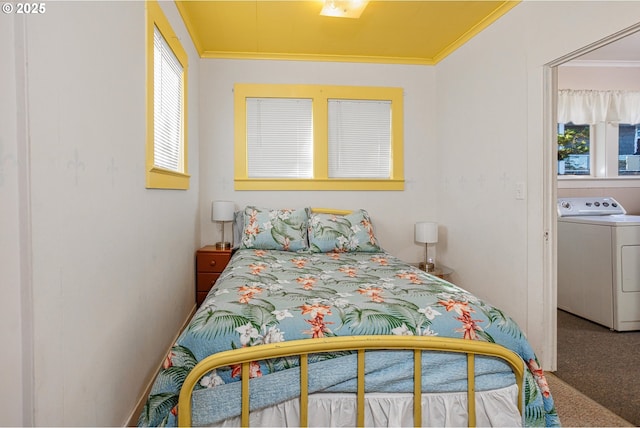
(393, 212)
(108, 277)
(15, 362)
(600, 78)
(495, 84)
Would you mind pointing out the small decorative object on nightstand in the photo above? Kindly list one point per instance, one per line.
(210, 262)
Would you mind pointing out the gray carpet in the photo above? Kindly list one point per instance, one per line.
(577, 410)
(603, 365)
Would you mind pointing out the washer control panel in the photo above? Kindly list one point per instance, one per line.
(589, 206)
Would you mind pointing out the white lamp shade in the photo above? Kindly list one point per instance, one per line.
(222, 210)
(426, 232)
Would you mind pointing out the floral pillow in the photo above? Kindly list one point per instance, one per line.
(267, 229)
(342, 233)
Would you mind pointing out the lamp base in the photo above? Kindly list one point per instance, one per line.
(223, 245)
(427, 266)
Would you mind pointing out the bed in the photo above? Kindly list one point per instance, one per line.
(318, 325)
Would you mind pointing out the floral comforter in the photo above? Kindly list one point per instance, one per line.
(273, 296)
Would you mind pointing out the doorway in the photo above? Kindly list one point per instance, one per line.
(621, 49)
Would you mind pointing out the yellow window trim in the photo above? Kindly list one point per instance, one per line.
(161, 178)
(317, 184)
(320, 94)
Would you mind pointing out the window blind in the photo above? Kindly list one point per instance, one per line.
(359, 138)
(279, 138)
(168, 108)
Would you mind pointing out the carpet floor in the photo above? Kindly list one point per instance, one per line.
(602, 364)
(577, 410)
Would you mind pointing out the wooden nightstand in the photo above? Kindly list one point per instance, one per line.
(210, 263)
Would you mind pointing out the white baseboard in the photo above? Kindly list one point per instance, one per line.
(133, 418)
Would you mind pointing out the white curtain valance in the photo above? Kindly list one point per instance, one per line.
(590, 106)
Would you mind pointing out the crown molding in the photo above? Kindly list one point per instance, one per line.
(601, 63)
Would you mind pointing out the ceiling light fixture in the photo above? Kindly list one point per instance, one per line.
(344, 8)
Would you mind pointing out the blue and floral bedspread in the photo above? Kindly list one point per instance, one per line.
(273, 296)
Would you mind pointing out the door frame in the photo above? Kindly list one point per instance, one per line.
(550, 188)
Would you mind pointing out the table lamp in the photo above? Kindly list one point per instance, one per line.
(427, 233)
(222, 211)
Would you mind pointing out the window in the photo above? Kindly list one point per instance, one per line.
(600, 150)
(279, 138)
(166, 165)
(313, 137)
(359, 138)
(598, 133)
(574, 149)
(628, 149)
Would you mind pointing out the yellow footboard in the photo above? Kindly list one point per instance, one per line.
(303, 348)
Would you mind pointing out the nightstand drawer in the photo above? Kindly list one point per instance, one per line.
(212, 262)
(206, 281)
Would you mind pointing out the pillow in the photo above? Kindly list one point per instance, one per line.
(342, 233)
(238, 228)
(268, 229)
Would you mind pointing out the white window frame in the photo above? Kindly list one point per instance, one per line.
(603, 154)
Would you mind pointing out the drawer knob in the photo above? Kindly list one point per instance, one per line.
(212, 263)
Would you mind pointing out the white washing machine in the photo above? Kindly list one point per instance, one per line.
(599, 262)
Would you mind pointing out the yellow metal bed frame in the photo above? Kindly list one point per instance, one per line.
(304, 347)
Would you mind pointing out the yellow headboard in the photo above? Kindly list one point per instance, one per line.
(331, 211)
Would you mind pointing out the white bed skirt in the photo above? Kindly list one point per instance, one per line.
(493, 408)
